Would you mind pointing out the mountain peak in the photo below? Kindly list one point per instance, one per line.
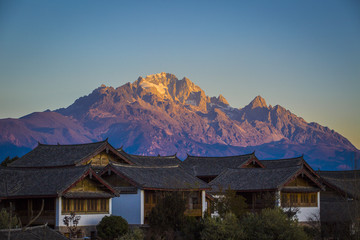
(258, 102)
(160, 78)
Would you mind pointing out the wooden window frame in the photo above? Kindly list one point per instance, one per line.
(299, 199)
(80, 206)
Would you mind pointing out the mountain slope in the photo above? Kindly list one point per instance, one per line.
(160, 114)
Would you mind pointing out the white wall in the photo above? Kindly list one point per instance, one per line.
(130, 207)
(305, 213)
(85, 220)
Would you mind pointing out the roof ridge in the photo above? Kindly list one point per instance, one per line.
(140, 166)
(284, 159)
(336, 171)
(66, 145)
(253, 153)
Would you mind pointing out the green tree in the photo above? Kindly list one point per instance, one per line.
(7, 220)
(227, 228)
(271, 224)
(231, 203)
(111, 227)
(133, 234)
(168, 212)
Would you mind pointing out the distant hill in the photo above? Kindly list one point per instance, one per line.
(160, 114)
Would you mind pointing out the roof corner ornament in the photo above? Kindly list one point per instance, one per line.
(106, 140)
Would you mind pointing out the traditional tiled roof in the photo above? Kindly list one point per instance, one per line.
(283, 163)
(288, 162)
(151, 160)
(44, 182)
(213, 166)
(347, 182)
(62, 155)
(32, 233)
(157, 177)
(254, 179)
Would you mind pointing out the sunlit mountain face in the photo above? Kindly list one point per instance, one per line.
(160, 114)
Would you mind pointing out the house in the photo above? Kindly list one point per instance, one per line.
(98, 155)
(288, 183)
(54, 193)
(340, 203)
(208, 168)
(291, 187)
(142, 186)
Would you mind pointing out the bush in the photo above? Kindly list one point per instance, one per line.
(226, 228)
(271, 224)
(111, 227)
(168, 214)
(192, 228)
(134, 234)
(231, 203)
(7, 221)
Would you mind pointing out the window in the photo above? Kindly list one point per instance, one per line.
(66, 205)
(79, 205)
(314, 198)
(85, 205)
(299, 199)
(92, 205)
(104, 205)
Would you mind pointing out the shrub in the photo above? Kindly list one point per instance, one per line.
(192, 228)
(226, 228)
(133, 234)
(168, 212)
(231, 203)
(271, 224)
(7, 221)
(111, 227)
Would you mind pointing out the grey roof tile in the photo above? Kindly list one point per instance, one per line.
(57, 155)
(159, 177)
(346, 181)
(151, 160)
(25, 182)
(248, 179)
(213, 166)
(33, 233)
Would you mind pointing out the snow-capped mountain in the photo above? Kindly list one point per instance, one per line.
(160, 114)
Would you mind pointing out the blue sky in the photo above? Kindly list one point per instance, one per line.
(303, 55)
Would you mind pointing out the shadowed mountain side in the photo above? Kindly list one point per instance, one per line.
(160, 114)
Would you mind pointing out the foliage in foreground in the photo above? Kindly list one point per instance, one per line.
(7, 221)
(168, 214)
(222, 228)
(271, 224)
(133, 234)
(111, 227)
(167, 221)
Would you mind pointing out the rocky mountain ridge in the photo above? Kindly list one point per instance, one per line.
(160, 114)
